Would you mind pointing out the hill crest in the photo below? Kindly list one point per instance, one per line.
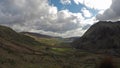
(102, 36)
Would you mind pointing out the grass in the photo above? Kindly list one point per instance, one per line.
(20, 51)
(55, 58)
(61, 49)
(48, 41)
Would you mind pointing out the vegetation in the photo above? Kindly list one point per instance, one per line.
(25, 51)
(102, 37)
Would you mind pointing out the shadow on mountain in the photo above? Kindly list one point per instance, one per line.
(102, 37)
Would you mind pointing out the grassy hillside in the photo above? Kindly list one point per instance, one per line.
(21, 51)
(48, 40)
(10, 35)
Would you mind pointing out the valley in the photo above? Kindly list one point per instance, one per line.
(31, 50)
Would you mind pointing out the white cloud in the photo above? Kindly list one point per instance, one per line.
(84, 25)
(90, 21)
(79, 1)
(96, 4)
(53, 10)
(113, 13)
(39, 16)
(71, 33)
(65, 2)
(86, 13)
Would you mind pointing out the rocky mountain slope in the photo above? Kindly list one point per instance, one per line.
(102, 36)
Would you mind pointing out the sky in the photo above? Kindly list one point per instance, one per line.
(65, 18)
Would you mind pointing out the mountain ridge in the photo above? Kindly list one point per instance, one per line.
(103, 36)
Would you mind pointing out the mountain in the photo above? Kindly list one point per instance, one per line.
(103, 36)
(14, 47)
(21, 51)
(36, 34)
(45, 39)
(16, 42)
(70, 39)
(51, 40)
(10, 35)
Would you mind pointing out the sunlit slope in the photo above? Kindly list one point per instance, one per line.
(48, 40)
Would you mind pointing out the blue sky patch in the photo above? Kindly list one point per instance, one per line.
(74, 8)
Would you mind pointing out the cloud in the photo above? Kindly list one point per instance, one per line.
(113, 13)
(85, 24)
(95, 4)
(86, 13)
(78, 1)
(65, 2)
(39, 16)
(71, 33)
